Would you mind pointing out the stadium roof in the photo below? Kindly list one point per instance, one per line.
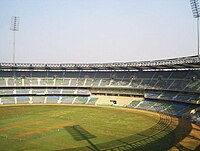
(175, 63)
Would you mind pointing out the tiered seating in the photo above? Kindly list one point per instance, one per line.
(163, 84)
(174, 96)
(179, 89)
(54, 91)
(7, 100)
(22, 91)
(179, 84)
(38, 91)
(195, 98)
(2, 81)
(69, 91)
(31, 81)
(178, 74)
(167, 95)
(18, 82)
(89, 82)
(79, 91)
(6, 91)
(80, 100)
(6, 74)
(59, 82)
(172, 80)
(126, 82)
(193, 85)
(148, 83)
(92, 101)
(66, 82)
(38, 74)
(171, 108)
(176, 80)
(42, 82)
(144, 75)
(23, 100)
(118, 82)
(27, 81)
(146, 105)
(104, 82)
(73, 82)
(182, 97)
(195, 117)
(10, 81)
(96, 82)
(153, 94)
(47, 81)
(136, 83)
(72, 74)
(162, 75)
(134, 103)
(67, 100)
(80, 82)
(87, 74)
(37, 100)
(52, 99)
(101, 75)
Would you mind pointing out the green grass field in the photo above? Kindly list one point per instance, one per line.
(82, 128)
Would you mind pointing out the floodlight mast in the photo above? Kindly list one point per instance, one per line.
(14, 27)
(196, 14)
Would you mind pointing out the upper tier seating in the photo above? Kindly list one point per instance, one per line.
(188, 80)
(174, 96)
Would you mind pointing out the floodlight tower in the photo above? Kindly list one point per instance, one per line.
(14, 27)
(196, 13)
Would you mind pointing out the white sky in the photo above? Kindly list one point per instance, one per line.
(85, 31)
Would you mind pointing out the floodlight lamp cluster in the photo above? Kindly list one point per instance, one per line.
(195, 8)
(14, 23)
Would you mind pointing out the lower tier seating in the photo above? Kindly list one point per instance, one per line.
(167, 107)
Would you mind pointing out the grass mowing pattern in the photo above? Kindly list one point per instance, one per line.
(82, 128)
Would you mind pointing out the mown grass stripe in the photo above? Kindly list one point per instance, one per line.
(25, 124)
(44, 129)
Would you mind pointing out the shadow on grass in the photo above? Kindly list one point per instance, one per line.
(160, 137)
(80, 134)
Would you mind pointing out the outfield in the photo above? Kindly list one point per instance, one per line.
(51, 127)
